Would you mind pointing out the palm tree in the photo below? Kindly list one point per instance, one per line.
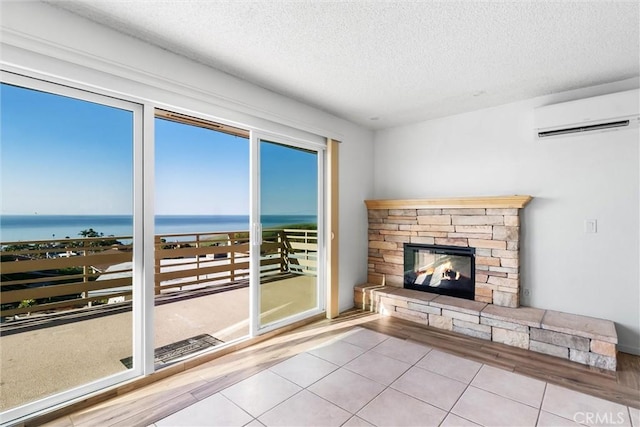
(90, 233)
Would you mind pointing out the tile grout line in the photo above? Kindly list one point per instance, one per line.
(464, 391)
(542, 402)
(374, 397)
(306, 388)
(469, 384)
(235, 404)
(414, 365)
(388, 386)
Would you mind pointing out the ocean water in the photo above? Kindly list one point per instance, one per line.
(14, 228)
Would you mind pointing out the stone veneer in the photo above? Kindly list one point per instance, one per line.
(491, 225)
(581, 339)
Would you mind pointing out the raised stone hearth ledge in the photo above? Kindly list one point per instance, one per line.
(489, 224)
(488, 202)
(586, 340)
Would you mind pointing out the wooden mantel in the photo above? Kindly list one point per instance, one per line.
(489, 202)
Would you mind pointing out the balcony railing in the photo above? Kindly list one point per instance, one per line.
(53, 275)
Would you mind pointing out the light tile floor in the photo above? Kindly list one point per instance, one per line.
(365, 378)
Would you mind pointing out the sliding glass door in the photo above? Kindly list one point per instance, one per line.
(121, 257)
(289, 202)
(70, 239)
(201, 236)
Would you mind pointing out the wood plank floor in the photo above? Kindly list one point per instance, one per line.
(152, 402)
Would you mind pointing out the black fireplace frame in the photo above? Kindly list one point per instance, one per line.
(466, 291)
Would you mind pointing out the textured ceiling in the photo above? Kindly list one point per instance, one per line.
(382, 64)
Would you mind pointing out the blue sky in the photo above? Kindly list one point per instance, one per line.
(289, 179)
(200, 171)
(65, 156)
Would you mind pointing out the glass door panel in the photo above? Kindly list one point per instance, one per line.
(67, 240)
(201, 236)
(289, 206)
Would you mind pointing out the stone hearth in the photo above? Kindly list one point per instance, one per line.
(489, 224)
(586, 340)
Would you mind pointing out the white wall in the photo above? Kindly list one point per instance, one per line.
(43, 39)
(493, 152)
(356, 186)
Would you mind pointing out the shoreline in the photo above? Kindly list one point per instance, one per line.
(26, 228)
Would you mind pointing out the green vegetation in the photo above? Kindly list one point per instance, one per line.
(91, 233)
(303, 226)
(27, 303)
(15, 248)
(271, 233)
(69, 271)
(31, 249)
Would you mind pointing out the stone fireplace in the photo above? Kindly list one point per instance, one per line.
(489, 225)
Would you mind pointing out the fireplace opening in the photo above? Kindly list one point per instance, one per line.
(445, 270)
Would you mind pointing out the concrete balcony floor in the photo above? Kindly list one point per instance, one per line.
(40, 362)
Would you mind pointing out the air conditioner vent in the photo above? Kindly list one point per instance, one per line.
(615, 111)
(587, 128)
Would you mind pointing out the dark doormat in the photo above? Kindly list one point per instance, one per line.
(167, 353)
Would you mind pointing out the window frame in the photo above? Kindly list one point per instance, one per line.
(139, 320)
(256, 137)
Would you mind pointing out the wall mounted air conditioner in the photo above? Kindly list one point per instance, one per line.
(616, 111)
